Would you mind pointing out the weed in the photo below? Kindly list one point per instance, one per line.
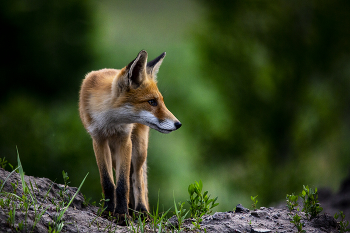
(14, 187)
(157, 219)
(254, 200)
(3, 183)
(343, 225)
(2, 203)
(59, 223)
(12, 215)
(200, 204)
(86, 201)
(311, 206)
(111, 219)
(292, 201)
(47, 193)
(197, 222)
(102, 205)
(38, 217)
(141, 224)
(3, 162)
(21, 226)
(296, 220)
(100, 209)
(180, 213)
(64, 191)
(139, 227)
(57, 226)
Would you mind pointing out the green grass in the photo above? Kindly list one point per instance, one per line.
(343, 224)
(13, 203)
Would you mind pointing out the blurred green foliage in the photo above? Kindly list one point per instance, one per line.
(46, 45)
(282, 68)
(261, 88)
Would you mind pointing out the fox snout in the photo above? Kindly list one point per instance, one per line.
(167, 126)
(173, 125)
(164, 126)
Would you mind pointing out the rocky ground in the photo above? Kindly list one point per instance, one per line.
(50, 198)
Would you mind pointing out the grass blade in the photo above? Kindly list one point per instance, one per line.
(21, 172)
(39, 217)
(2, 186)
(65, 209)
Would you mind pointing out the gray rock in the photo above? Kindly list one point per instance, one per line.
(172, 222)
(259, 214)
(241, 209)
(259, 230)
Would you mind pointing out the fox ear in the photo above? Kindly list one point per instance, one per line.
(153, 66)
(136, 69)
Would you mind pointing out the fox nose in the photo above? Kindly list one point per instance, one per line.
(177, 124)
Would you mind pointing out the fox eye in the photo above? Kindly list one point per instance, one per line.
(153, 102)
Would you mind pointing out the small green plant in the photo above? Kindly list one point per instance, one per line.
(20, 226)
(139, 226)
(12, 215)
(292, 201)
(58, 221)
(55, 228)
(65, 179)
(100, 209)
(296, 220)
(111, 219)
(254, 200)
(102, 205)
(311, 206)
(86, 201)
(180, 213)
(157, 220)
(3, 183)
(64, 191)
(2, 203)
(47, 193)
(343, 225)
(200, 204)
(197, 223)
(3, 162)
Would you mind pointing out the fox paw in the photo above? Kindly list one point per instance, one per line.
(107, 214)
(144, 215)
(122, 219)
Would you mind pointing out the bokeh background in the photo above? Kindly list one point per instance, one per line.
(262, 89)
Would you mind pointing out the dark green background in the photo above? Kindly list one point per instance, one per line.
(261, 87)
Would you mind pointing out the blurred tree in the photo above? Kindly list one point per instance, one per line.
(282, 70)
(46, 50)
(45, 44)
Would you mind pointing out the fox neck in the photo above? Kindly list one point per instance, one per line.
(110, 122)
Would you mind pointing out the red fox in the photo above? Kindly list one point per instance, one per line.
(117, 108)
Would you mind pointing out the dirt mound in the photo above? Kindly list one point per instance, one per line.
(47, 201)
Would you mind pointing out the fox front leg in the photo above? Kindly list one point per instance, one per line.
(104, 163)
(121, 146)
(139, 176)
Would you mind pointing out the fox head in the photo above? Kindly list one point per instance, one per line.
(140, 100)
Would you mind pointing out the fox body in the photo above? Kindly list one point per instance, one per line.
(117, 108)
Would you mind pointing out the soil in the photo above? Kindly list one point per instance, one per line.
(81, 218)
